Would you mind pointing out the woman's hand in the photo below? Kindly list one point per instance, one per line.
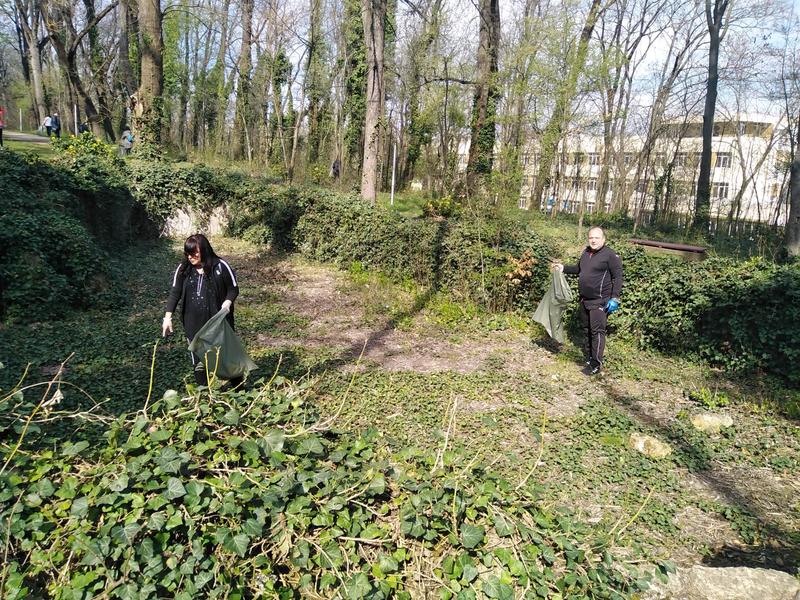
(166, 325)
(557, 266)
(226, 305)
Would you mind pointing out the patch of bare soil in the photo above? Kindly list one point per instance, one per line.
(337, 321)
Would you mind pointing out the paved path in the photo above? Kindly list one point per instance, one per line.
(24, 137)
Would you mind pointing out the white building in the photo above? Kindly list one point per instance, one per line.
(747, 177)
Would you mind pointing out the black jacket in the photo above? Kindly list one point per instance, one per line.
(223, 279)
(599, 276)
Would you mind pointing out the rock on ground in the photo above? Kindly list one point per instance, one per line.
(727, 583)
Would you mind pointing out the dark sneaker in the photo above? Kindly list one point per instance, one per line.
(590, 370)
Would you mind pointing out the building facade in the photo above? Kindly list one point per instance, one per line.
(748, 173)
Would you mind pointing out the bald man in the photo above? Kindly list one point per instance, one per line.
(599, 274)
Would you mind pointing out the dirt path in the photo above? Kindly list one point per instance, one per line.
(337, 320)
(342, 320)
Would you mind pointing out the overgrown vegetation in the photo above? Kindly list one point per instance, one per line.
(495, 261)
(249, 494)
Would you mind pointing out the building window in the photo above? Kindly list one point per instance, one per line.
(628, 159)
(575, 183)
(719, 191)
(723, 160)
(681, 159)
(577, 158)
(594, 158)
(591, 184)
(641, 186)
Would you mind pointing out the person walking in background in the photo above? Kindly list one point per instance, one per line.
(48, 125)
(204, 284)
(55, 125)
(2, 124)
(84, 128)
(599, 274)
(125, 142)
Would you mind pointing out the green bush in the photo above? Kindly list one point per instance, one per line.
(744, 316)
(56, 224)
(247, 495)
(265, 213)
(498, 264)
(345, 229)
(164, 188)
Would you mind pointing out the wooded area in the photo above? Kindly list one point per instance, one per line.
(462, 94)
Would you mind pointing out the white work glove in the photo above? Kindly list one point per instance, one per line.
(226, 306)
(166, 325)
(556, 266)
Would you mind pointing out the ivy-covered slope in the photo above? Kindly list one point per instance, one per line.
(244, 495)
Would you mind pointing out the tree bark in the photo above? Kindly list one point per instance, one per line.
(702, 206)
(125, 31)
(487, 92)
(30, 20)
(373, 14)
(241, 142)
(148, 101)
(555, 127)
(792, 238)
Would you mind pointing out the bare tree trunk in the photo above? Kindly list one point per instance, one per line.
(487, 92)
(148, 102)
(241, 142)
(702, 206)
(373, 14)
(125, 33)
(565, 94)
(30, 20)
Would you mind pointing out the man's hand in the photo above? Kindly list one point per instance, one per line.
(226, 306)
(166, 325)
(612, 305)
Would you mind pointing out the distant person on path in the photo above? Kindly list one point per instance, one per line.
(205, 284)
(84, 128)
(2, 124)
(48, 125)
(599, 274)
(125, 142)
(336, 168)
(55, 125)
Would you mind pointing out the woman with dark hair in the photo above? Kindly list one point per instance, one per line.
(206, 284)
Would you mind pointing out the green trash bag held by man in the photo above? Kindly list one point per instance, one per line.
(551, 308)
(217, 334)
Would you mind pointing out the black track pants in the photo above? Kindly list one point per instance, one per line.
(594, 323)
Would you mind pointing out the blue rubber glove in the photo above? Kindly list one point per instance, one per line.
(611, 305)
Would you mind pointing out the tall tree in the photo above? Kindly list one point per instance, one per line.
(715, 19)
(241, 142)
(565, 94)
(148, 102)
(487, 93)
(373, 14)
(29, 20)
(66, 42)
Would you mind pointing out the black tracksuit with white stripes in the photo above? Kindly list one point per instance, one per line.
(599, 279)
(202, 297)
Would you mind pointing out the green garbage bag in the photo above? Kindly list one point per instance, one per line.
(217, 334)
(551, 307)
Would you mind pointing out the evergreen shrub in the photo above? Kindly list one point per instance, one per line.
(345, 229)
(498, 264)
(249, 495)
(741, 315)
(56, 224)
(164, 188)
(265, 213)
